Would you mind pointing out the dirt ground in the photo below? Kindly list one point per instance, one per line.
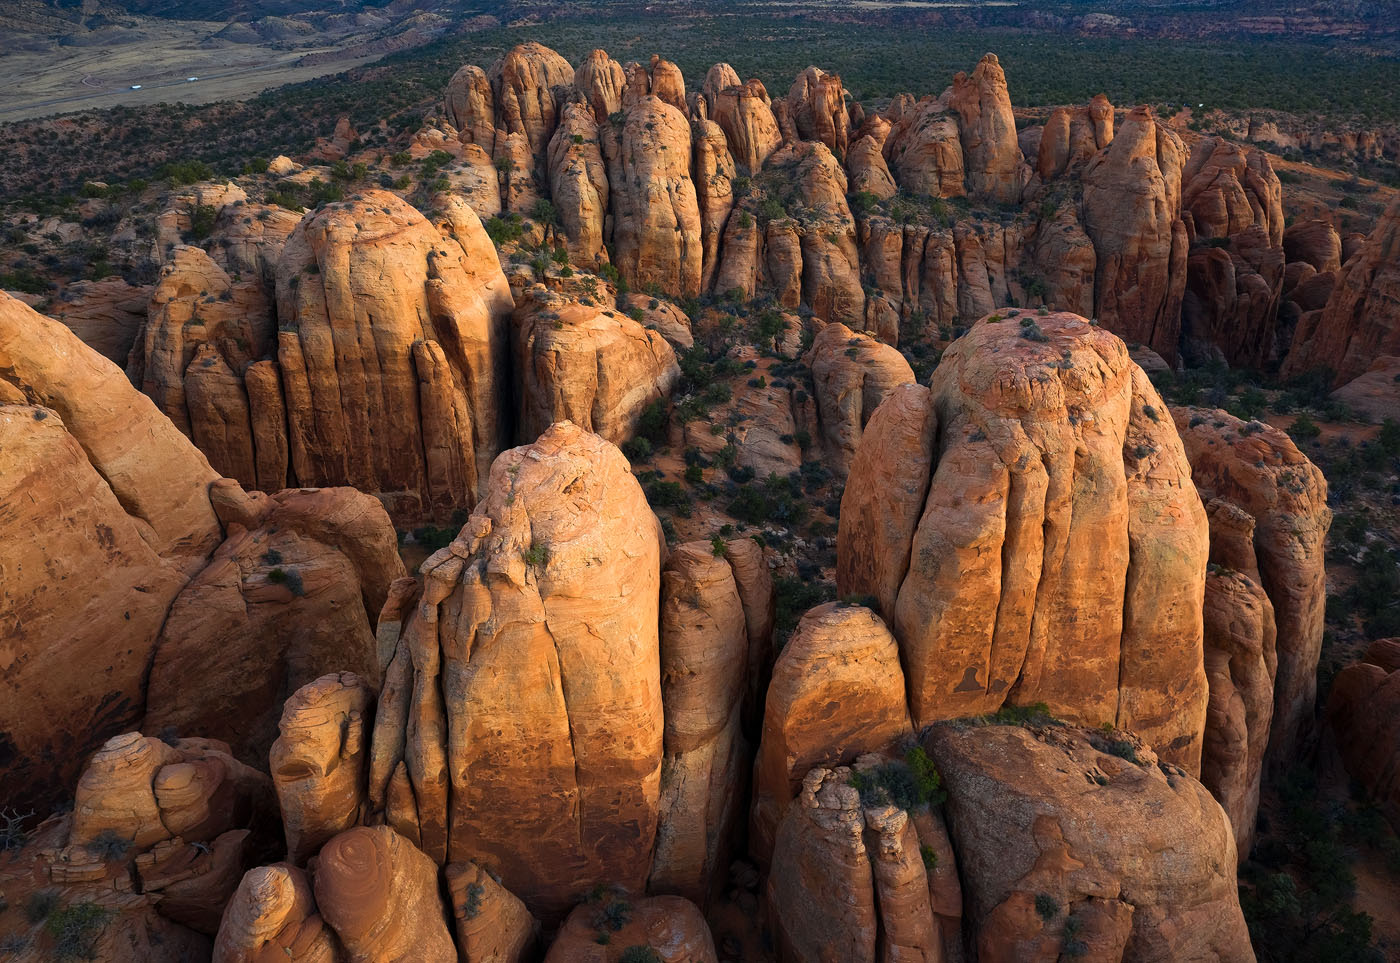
(160, 56)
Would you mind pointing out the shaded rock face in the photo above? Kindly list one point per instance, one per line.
(1258, 471)
(1131, 210)
(612, 928)
(1053, 449)
(1232, 293)
(294, 589)
(708, 666)
(520, 724)
(394, 353)
(158, 837)
(1241, 666)
(852, 374)
(1072, 136)
(837, 692)
(1361, 709)
(1375, 393)
(1361, 320)
(586, 364)
(104, 492)
(107, 315)
(1138, 855)
(862, 880)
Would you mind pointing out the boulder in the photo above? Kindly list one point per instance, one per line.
(492, 925)
(1259, 470)
(1071, 839)
(1361, 709)
(523, 86)
(612, 928)
(1376, 393)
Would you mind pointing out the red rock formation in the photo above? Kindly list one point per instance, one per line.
(1139, 856)
(106, 315)
(987, 131)
(294, 589)
(393, 353)
(861, 879)
(1258, 470)
(1241, 664)
(924, 150)
(818, 106)
(1360, 322)
(852, 374)
(523, 704)
(522, 84)
(1313, 242)
(273, 916)
(656, 215)
(319, 761)
(582, 363)
(714, 189)
(744, 114)
(106, 494)
(371, 897)
(1132, 204)
(468, 104)
(145, 864)
(1361, 708)
(718, 79)
(1232, 293)
(380, 895)
(492, 925)
(601, 80)
(894, 454)
(704, 664)
(578, 183)
(866, 160)
(1072, 136)
(837, 692)
(1068, 457)
(611, 928)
